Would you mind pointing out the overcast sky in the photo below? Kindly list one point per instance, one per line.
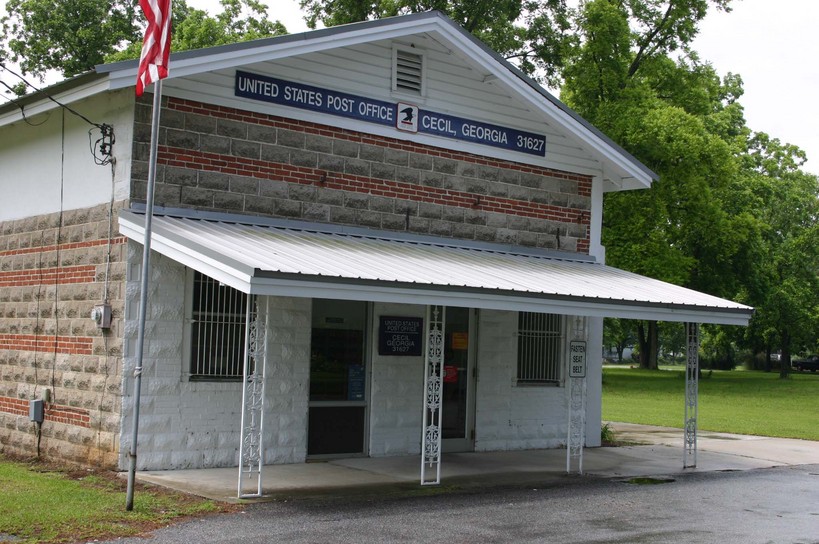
(772, 45)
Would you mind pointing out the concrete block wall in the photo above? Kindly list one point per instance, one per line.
(224, 159)
(172, 413)
(54, 269)
(397, 393)
(196, 424)
(508, 416)
(287, 383)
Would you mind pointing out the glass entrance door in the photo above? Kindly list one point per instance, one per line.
(338, 384)
(458, 402)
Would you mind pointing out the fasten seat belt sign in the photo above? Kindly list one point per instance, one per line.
(577, 359)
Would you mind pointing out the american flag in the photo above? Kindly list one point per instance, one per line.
(153, 62)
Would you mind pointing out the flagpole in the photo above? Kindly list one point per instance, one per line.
(143, 292)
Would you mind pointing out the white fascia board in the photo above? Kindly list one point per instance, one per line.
(631, 173)
(45, 105)
(344, 290)
(211, 264)
(236, 58)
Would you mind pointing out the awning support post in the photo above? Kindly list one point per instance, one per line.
(576, 439)
(433, 366)
(692, 372)
(251, 447)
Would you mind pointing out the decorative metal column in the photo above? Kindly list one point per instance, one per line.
(692, 372)
(251, 448)
(576, 438)
(433, 367)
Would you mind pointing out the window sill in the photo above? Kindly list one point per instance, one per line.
(518, 383)
(214, 379)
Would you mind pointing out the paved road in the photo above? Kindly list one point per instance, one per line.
(774, 505)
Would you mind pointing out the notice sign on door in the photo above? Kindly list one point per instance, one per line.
(355, 382)
(400, 336)
(577, 359)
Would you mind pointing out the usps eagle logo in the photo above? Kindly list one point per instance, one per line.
(407, 118)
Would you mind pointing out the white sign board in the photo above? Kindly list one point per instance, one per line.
(577, 359)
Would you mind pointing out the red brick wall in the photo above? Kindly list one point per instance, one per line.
(53, 412)
(72, 345)
(52, 273)
(225, 159)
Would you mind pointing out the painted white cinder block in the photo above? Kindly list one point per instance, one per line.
(58, 144)
(287, 381)
(396, 392)
(186, 424)
(511, 417)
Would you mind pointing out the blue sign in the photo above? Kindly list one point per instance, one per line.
(402, 116)
(308, 97)
(400, 336)
(355, 382)
(458, 128)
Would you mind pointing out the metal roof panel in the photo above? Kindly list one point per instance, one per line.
(250, 256)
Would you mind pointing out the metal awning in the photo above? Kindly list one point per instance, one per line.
(326, 261)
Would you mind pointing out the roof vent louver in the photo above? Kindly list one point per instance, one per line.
(408, 72)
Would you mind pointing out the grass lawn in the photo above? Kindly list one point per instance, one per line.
(756, 403)
(41, 504)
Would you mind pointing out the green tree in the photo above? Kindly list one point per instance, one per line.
(69, 36)
(493, 20)
(709, 222)
(239, 21)
(677, 117)
(732, 213)
(72, 36)
(536, 34)
(673, 340)
(786, 286)
(618, 334)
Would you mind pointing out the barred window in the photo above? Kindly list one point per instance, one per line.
(540, 337)
(217, 330)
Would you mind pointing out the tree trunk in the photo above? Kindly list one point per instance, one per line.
(654, 345)
(642, 342)
(649, 344)
(785, 359)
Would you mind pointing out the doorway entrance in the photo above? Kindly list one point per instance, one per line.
(458, 399)
(338, 379)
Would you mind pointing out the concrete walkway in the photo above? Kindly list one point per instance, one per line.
(656, 452)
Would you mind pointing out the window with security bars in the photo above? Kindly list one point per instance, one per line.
(217, 330)
(540, 337)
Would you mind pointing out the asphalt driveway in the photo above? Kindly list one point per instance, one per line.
(745, 490)
(774, 505)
